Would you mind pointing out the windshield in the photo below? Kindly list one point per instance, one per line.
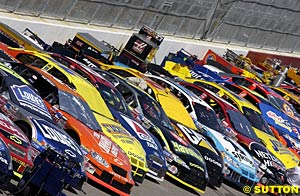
(256, 120)
(113, 98)
(153, 111)
(208, 117)
(78, 109)
(241, 124)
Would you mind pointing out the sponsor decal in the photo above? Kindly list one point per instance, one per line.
(211, 57)
(242, 157)
(126, 139)
(105, 144)
(196, 166)
(192, 135)
(267, 159)
(3, 160)
(212, 161)
(6, 125)
(28, 98)
(70, 153)
(278, 147)
(141, 133)
(136, 156)
(115, 129)
(114, 150)
(288, 110)
(196, 75)
(15, 139)
(185, 150)
(139, 46)
(52, 134)
(279, 120)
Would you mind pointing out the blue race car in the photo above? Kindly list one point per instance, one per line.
(58, 160)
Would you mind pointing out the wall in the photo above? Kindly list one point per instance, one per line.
(55, 30)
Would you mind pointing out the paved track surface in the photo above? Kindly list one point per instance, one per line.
(153, 188)
(166, 188)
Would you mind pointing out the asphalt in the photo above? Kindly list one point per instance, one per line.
(150, 188)
(165, 188)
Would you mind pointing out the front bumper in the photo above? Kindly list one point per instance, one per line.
(138, 169)
(241, 180)
(193, 178)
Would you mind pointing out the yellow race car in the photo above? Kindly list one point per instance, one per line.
(110, 127)
(259, 125)
(179, 116)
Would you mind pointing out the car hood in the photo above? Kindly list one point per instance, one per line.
(129, 144)
(231, 148)
(289, 159)
(47, 133)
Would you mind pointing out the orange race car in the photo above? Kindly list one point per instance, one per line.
(107, 164)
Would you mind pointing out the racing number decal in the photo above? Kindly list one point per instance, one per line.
(193, 136)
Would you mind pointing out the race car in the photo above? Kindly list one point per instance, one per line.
(107, 164)
(185, 164)
(280, 124)
(237, 159)
(292, 88)
(110, 127)
(239, 128)
(269, 94)
(179, 117)
(58, 160)
(6, 165)
(117, 105)
(17, 143)
(289, 96)
(259, 125)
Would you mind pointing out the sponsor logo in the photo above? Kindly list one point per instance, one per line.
(70, 153)
(185, 150)
(279, 120)
(135, 156)
(139, 46)
(105, 144)
(212, 161)
(196, 166)
(141, 133)
(55, 135)
(28, 98)
(15, 139)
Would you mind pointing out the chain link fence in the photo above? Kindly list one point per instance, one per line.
(267, 24)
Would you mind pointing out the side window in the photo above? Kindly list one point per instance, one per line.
(57, 74)
(84, 75)
(207, 86)
(122, 73)
(128, 95)
(194, 90)
(32, 60)
(61, 60)
(161, 83)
